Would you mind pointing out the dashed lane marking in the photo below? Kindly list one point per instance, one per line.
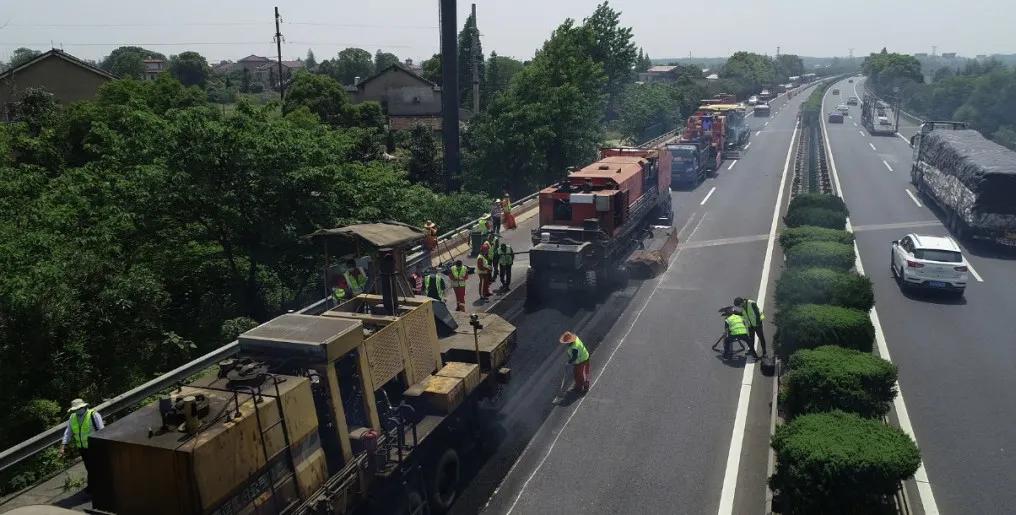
(886, 163)
(758, 132)
(859, 131)
(732, 163)
(709, 194)
(872, 147)
(912, 197)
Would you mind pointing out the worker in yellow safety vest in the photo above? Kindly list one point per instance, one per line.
(459, 273)
(82, 423)
(505, 260)
(340, 292)
(483, 226)
(483, 269)
(434, 285)
(578, 358)
(734, 330)
(753, 318)
(355, 277)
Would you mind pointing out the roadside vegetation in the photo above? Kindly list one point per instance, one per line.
(835, 452)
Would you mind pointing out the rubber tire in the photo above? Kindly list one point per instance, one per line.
(444, 481)
(412, 504)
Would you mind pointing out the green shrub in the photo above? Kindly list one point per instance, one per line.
(824, 286)
(825, 254)
(830, 378)
(840, 463)
(793, 236)
(813, 325)
(817, 216)
(819, 200)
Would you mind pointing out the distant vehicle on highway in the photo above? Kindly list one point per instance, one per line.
(835, 117)
(852, 101)
(884, 120)
(762, 110)
(843, 109)
(932, 262)
(836, 92)
(753, 99)
(850, 81)
(764, 95)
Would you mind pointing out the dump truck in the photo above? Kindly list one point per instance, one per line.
(687, 162)
(970, 178)
(707, 130)
(733, 120)
(874, 118)
(590, 221)
(367, 406)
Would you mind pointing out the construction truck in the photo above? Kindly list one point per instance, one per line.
(762, 110)
(737, 131)
(706, 129)
(687, 163)
(367, 406)
(874, 116)
(970, 178)
(590, 221)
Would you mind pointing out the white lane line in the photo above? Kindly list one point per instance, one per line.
(758, 132)
(859, 131)
(741, 415)
(603, 370)
(904, 138)
(912, 197)
(732, 163)
(872, 147)
(748, 145)
(886, 163)
(764, 124)
(921, 476)
(710, 193)
(974, 272)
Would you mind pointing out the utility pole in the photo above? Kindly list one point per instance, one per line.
(476, 65)
(278, 48)
(450, 94)
(777, 52)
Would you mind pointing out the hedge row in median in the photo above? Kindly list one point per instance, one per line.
(833, 378)
(828, 218)
(807, 233)
(824, 286)
(823, 254)
(807, 326)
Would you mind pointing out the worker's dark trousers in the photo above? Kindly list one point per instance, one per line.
(86, 458)
(729, 341)
(495, 222)
(506, 276)
(760, 332)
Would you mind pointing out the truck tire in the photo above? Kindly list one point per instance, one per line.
(444, 481)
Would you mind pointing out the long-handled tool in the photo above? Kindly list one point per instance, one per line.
(560, 389)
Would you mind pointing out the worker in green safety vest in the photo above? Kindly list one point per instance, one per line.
(734, 330)
(82, 423)
(459, 273)
(505, 260)
(434, 285)
(578, 359)
(753, 318)
(355, 277)
(483, 225)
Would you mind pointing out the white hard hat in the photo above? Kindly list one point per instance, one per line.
(77, 404)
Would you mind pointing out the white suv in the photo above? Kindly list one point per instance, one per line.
(933, 262)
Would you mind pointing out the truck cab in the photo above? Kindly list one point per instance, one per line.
(686, 163)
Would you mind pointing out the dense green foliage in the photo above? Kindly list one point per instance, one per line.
(811, 109)
(146, 227)
(499, 72)
(819, 200)
(836, 378)
(648, 110)
(891, 70)
(816, 216)
(22, 55)
(470, 51)
(382, 60)
(127, 62)
(792, 236)
(840, 463)
(190, 68)
(349, 64)
(807, 326)
(324, 97)
(824, 254)
(748, 73)
(824, 286)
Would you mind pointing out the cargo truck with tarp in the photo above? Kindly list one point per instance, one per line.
(972, 180)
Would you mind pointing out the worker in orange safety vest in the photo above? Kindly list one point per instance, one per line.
(483, 269)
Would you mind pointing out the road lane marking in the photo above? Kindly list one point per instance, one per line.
(729, 490)
(974, 272)
(886, 163)
(764, 124)
(904, 138)
(921, 476)
(724, 241)
(748, 145)
(859, 131)
(710, 193)
(596, 380)
(896, 226)
(912, 197)
(872, 147)
(758, 132)
(732, 163)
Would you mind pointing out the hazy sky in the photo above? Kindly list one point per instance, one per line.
(231, 29)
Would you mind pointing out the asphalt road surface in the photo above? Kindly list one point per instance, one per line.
(655, 432)
(956, 357)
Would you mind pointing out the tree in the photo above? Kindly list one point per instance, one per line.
(21, 56)
(190, 68)
(348, 65)
(887, 71)
(789, 65)
(643, 62)
(648, 110)
(431, 69)
(611, 45)
(749, 72)
(500, 70)
(382, 60)
(128, 61)
(470, 49)
(424, 165)
(324, 97)
(310, 62)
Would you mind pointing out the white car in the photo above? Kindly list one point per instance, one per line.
(883, 120)
(753, 99)
(933, 262)
(843, 108)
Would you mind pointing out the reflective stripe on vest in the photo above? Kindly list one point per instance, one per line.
(459, 276)
(735, 326)
(81, 430)
(750, 308)
(507, 257)
(583, 354)
(482, 264)
(339, 294)
(429, 280)
(356, 282)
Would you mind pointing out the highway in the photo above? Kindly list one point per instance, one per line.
(956, 357)
(668, 426)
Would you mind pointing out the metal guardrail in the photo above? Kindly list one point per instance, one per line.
(125, 401)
